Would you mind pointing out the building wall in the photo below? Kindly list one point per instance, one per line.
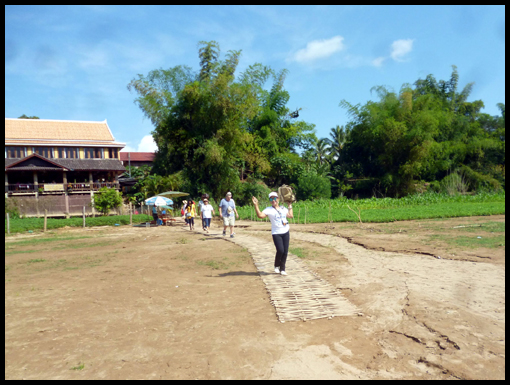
(31, 206)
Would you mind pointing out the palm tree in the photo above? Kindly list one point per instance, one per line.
(321, 150)
(339, 136)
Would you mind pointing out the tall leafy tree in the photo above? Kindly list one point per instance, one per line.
(214, 127)
(339, 136)
(418, 133)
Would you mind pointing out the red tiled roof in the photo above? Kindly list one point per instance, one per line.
(137, 156)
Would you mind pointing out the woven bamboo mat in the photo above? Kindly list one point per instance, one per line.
(302, 295)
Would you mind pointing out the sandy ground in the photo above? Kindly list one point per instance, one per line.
(167, 303)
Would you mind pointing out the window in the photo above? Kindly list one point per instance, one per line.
(44, 151)
(72, 153)
(113, 153)
(15, 152)
(61, 152)
(93, 153)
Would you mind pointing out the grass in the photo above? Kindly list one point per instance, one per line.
(79, 367)
(36, 260)
(19, 225)
(471, 242)
(380, 210)
(299, 252)
(36, 241)
(216, 265)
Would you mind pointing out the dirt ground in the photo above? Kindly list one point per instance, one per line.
(166, 303)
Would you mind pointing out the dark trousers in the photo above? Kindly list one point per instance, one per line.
(281, 242)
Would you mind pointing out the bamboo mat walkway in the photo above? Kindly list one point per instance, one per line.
(301, 295)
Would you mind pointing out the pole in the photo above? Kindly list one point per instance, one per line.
(130, 213)
(84, 216)
(45, 219)
(129, 162)
(8, 224)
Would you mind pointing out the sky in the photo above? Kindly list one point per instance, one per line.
(71, 62)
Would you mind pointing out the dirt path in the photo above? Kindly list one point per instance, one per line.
(136, 303)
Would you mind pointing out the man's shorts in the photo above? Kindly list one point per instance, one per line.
(229, 221)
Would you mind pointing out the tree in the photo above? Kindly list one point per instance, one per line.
(28, 117)
(106, 199)
(339, 136)
(215, 128)
(420, 133)
(312, 186)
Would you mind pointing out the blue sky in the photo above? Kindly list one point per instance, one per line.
(74, 62)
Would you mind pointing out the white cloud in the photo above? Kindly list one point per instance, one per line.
(147, 144)
(400, 48)
(319, 49)
(379, 61)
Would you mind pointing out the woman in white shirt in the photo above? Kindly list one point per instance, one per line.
(206, 214)
(279, 229)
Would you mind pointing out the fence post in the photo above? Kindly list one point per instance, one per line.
(8, 224)
(83, 216)
(130, 213)
(45, 219)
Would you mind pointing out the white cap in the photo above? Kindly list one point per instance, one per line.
(229, 193)
(273, 194)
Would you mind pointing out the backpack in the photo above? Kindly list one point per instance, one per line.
(285, 193)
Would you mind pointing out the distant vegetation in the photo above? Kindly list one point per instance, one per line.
(417, 206)
(218, 131)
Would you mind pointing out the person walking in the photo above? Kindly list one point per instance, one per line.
(280, 229)
(155, 214)
(190, 214)
(206, 213)
(228, 213)
(200, 204)
(183, 212)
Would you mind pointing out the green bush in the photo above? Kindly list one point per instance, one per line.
(248, 189)
(479, 181)
(11, 208)
(454, 183)
(106, 199)
(312, 186)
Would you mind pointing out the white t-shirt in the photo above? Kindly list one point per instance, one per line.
(206, 211)
(279, 221)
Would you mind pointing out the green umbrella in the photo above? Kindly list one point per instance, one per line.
(174, 194)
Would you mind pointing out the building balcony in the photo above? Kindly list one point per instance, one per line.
(56, 188)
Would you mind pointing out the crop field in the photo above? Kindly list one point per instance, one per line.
(420, 206)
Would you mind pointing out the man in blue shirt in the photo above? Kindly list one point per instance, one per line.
(227, 212)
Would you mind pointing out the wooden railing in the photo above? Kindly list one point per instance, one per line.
(20, 188)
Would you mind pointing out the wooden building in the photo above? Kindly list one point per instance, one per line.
(58, 165)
